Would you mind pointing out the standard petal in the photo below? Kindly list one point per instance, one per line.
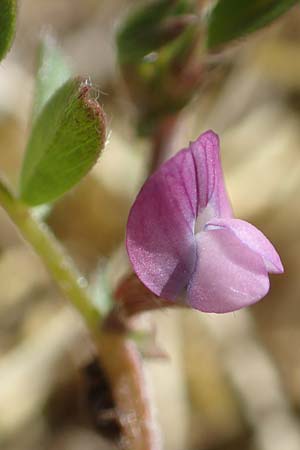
(160, 231)
(253, 238)
(228, 274)
(211, 190)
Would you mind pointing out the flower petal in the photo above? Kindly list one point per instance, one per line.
(253, 238)
(182, 195)
(228, 274)
(210, 183)
(160, 231)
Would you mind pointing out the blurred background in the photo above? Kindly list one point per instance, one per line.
(228, 382)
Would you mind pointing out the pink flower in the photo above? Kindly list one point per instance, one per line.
(183, 241)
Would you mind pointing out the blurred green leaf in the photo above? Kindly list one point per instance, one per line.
(155, 47)
(7, 25)
(65, 143)
(232, 19)
(52, 73)
(151, 27)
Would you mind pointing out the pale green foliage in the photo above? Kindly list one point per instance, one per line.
(65, 142)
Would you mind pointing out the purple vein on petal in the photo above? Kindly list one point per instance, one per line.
(187, 193)
(196, 180)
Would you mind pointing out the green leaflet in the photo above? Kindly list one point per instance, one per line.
(7, 25)
(232, 19)
(52, 73)
(65, 142)
(150, 27)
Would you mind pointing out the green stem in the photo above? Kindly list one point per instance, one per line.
(70, 281)
(118, 354)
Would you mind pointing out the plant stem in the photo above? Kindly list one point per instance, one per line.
(125, 371)
(161, 141)
(70, 281)
(118, 355)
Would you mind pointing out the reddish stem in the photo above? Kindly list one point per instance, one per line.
(123, 366)
(161, 141)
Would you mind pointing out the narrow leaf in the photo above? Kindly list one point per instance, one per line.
(52, 73)
(7, 25)
(65, 143)
(232, 19)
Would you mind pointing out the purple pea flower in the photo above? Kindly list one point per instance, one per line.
(183, 241)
